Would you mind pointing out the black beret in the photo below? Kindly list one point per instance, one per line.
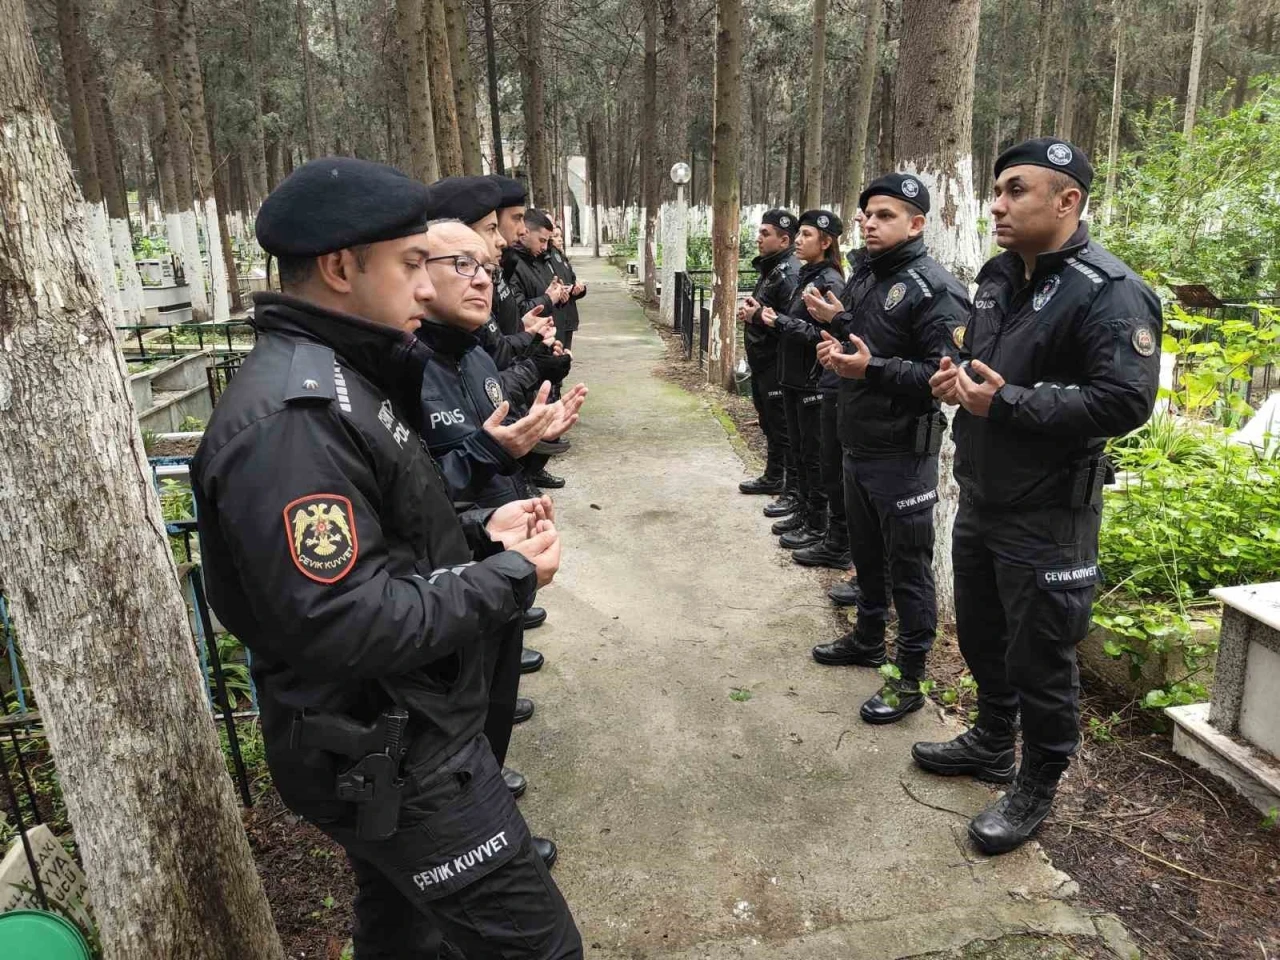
(464, 198)
(784, 220)
(824, 220)
(338, 202)
(514, 193)
(904, 186)
(1052, 153)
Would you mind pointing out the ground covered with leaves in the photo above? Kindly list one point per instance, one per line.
(1190, 867)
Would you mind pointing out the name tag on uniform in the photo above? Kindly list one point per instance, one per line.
(915, 502)
(1068, 578)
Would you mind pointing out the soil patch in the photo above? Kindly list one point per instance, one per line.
(1191, 868)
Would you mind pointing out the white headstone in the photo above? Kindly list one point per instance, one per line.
(63, 881)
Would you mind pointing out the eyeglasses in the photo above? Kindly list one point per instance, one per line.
(466, 266)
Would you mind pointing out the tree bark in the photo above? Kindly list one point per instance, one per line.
(411, 26)
(725, 208)
(934, 136)
(996, 123)
(675, 79)
(308, 83)
(341, 144)
(649, 148)
(537, 162)
(1113, 131)
(863, 87)
(73, 71)
(1193, 73)
(495, 112)
(89, 575)
(464, 90)
(1043, 45)
(814, 109)
(593, 161)
(444, 109)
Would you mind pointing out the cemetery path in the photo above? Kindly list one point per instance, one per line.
(773, 824)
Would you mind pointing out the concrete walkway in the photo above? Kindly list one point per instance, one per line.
(693, 825)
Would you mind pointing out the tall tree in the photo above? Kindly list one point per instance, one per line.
(863, 88)
(814, 108)
(411, 27)
(1113, 130)
(649, 148)
(104, 626)
(1193, 71)
(1044, 44)
(444, 108)
(934, 139)
(495, 109)
(341, 144)
(464, 91)
(537, 162)
(675, 79)
(308, 82)
(725, 207)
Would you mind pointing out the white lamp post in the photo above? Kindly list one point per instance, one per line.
(677, 237)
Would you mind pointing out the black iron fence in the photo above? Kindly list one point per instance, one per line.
(151, 340)
(220, 374)
(692, 309)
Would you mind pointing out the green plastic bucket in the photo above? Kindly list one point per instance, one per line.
(36, 935)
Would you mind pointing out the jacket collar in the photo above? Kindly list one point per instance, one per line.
(810, 270)
(444, 338)
(892, 261)
(1051, 261)
(390, 359)
(763, 265)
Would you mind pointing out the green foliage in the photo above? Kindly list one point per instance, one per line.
(740, 694)
(1204, 210)
(235, 672)
(146, 247)
(191, 424)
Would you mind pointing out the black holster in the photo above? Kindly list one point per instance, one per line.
(929, 432)
(373, 782)
(1086, 480)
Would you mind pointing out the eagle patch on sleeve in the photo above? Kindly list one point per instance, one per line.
(321, 532)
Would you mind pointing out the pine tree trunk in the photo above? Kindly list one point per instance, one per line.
(649, 148)
(92, 583)
(308, 83)
(934, 136)
(341, 144)
(537, 163)
(980, 177)
(73, 71)
(495, 112)
(814, 109)
(259, 177)
(726, 144)
(444, 109)
(863, 88)
(1113, 131)
(411, 26)
(464, 91)
(1193, 73)
(1044, 44)
(675, 84)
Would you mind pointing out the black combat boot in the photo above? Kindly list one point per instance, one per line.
(793, 521)
(788, 501)
(832, 552)
(896, 698)
(985, 751)
(844, 593)
(531, 661)
(546, 480)
(547, 850)
(762, 484)
(1009, 822)
(812, 533)
(516, 782)
(524, 710)
(863, 646)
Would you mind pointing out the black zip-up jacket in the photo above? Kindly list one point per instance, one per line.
(906, 308)
(1079, 348)
(799, 334)
(775, 287)
(529, 277)
(567, 313)
(331, 547)
(461, 387)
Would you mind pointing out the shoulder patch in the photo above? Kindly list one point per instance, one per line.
(320, 530)
(1143, 340)
(1087, 271)
(311, 374)
(1102, 260)
(920, 282)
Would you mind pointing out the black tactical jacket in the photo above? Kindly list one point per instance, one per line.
(775, 287)
(1079, 348)
(567, 313)
(906, 308)
(514, 356)
(461, 387)
(799, 333)
(528, 276)
(332, 549)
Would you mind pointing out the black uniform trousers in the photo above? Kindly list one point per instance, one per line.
(890, 505)
(766, 395)
(565, 337)
(515, 910)
(804, 428)
(832, 470)
(1024, 597)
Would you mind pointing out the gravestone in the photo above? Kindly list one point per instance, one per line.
(63, 881)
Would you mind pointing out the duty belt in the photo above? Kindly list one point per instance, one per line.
(373, 782)
(1086, 480)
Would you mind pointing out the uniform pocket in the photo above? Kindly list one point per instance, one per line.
(1069, 591)
(911, 518)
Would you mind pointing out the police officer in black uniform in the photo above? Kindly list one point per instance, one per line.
(778, 270)
(566, 316)
(818, 250)
(900, 321)
(1061, 352)
(374, 612)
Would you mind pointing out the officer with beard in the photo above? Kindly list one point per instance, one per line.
(778, 270)
(1062, 352)
(900, 321)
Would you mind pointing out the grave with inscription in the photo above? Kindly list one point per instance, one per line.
(62, 879)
